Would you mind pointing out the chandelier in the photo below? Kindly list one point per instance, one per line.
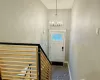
(56, 22)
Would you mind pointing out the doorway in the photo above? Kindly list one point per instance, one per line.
(57, 45)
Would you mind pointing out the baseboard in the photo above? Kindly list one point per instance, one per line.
(66, 62)
(69, 71)
(57, 63)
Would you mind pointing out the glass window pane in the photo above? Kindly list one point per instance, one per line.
(57, 37)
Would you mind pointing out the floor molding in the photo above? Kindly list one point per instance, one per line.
(66, 62)
(69, 71)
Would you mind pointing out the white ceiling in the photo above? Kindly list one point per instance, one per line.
(62, 4)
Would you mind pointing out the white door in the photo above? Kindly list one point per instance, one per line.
(57, 45)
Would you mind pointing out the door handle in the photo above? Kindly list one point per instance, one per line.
(62, 48)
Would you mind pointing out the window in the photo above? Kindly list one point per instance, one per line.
(57, 37)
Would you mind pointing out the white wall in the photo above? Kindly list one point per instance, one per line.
(65, 16)
(23, 21)
(85, 44)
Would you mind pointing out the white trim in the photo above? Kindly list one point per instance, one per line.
(69, 71)
(66, 62)
(58, 30)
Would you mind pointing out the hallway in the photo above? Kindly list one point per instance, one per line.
(63, 31)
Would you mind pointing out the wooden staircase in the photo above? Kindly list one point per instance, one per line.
(19, 61)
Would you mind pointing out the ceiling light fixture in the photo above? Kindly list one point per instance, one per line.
(56, 23)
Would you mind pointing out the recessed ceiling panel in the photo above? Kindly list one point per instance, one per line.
(62, 4)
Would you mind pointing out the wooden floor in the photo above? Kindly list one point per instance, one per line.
(60, 73)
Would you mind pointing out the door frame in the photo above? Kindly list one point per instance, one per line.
(61, 30)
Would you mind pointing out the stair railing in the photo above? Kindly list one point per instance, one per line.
(23, 61)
